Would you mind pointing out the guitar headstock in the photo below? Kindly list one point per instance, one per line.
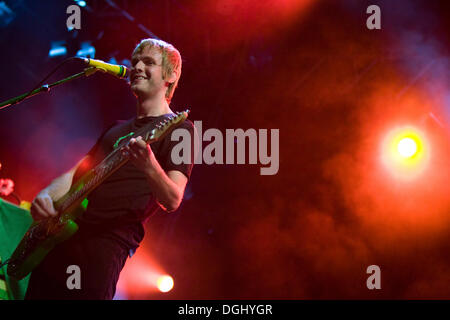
(163, 127)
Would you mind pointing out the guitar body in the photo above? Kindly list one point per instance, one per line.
(44, 235)
(38, 241)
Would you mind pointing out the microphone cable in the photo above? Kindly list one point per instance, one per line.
(46, 77)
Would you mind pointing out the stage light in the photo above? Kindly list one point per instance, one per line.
(87, 50)
(164, 283)
(405, 152)
(6, 14)
(407, 147)
(81, 3)
(57, 49)
(142, 275)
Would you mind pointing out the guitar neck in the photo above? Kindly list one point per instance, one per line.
(114, 161)
(91, 180)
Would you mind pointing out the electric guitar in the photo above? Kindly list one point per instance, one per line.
(44, 235)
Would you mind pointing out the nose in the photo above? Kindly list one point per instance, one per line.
(139, 66)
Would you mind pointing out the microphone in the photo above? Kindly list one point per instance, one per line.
(114, 69)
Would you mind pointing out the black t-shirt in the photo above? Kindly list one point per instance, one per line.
(121, 204)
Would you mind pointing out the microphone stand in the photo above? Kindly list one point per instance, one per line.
(46, 87)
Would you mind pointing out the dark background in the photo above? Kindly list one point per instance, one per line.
(308, 68)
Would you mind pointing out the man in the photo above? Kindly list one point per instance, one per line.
(112, 226)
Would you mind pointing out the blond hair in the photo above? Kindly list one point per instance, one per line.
(171, 61)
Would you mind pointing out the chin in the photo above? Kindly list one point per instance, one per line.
(136, 90)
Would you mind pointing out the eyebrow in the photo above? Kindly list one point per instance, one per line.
(145, 58)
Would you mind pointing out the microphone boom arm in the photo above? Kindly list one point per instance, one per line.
(46, 87)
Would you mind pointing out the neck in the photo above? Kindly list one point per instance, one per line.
(152, 106)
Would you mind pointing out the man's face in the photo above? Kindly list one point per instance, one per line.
(146, 73)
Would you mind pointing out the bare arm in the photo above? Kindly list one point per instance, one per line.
(42, 205)
(168, 188)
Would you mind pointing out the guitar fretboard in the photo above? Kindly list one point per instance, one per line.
(115, 160)
(102, 171)
(96, 176)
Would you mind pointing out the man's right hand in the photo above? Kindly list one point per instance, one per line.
(42, 206)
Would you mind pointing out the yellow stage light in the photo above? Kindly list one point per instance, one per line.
(405, 152)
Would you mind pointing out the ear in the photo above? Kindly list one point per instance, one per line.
(173, 76)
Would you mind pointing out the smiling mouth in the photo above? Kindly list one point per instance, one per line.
(135, 78)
